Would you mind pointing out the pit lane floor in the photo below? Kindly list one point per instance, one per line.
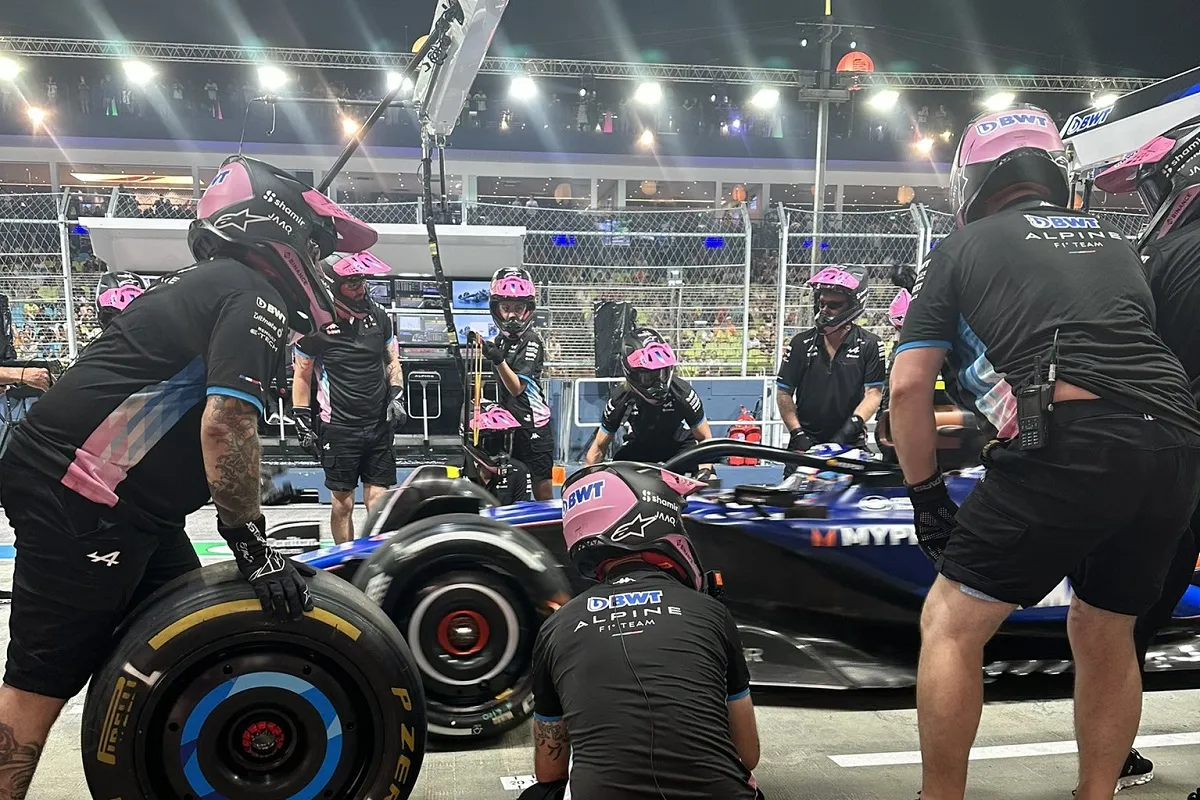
(799, 744)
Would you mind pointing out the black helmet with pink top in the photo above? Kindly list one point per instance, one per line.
(648, 363)
(275, 223)
(851, 283)
(115, 291)
(494, 422)
(352, 302)
(512, 285)
(624, 508)
(1165, 173)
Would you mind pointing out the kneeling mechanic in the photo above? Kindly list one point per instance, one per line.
(640, 683)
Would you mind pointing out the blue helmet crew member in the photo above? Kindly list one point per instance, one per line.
(1044, 314)
(1166, 175)
(154, 419)
(518, 355)
(831, 379)
(353, 369)
(641, 687)
(664, 412)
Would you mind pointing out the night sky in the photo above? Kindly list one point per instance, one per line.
(1105, 37)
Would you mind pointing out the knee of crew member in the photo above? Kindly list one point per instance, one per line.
(343, 502)
(1094, 629)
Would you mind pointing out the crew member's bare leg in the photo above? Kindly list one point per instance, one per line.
(341, 518)
(371, 494)
(25, 721)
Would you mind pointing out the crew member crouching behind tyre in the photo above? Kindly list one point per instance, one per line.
(359, 391)
(488, 461)
(156, 417)
(518, 354)
(831, 379)
(665, 414)
(641, 688)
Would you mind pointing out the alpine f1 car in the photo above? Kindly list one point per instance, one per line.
(822, 572)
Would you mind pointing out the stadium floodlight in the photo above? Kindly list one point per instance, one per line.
(853, 45)
(924, 146)
(804, 42)
(271, 77)
(648, 94)
(884, 100)
(444, 87)
(139, 73)
(1105, 100)
(647, 138)
(9, 69)
(765, 99)
(350, 126)
(522, 88)
(397, 81)
(999, 101)
(947, 135)
(582, 92)
(36, 115)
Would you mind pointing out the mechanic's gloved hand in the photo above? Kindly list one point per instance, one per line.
(492, 352)
(800, 442)
(278, 581)
(304, 431)
(397, 414)
(706, 475)
(933, 515)
(851, 431)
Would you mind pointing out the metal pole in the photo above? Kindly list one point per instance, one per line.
(784, 223)
(746, 289)
(65, 245)
(827, 34)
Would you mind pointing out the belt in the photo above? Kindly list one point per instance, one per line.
(1069, 411)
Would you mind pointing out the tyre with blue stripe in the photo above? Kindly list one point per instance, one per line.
(205, 697)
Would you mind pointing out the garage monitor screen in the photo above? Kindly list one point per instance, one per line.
(470, 295)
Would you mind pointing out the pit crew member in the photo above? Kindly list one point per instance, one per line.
(1096, 483)
(641, 687)
(359, 388)
(665, 414)
(518, 353)
(114, 292)
(1166, 175)
(489, 463)
(153, 419)
(831, 379)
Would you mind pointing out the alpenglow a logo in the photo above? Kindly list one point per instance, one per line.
(1008, 120)
(1061, 223)
(1081, 122)
(592, 491)
(625, 600)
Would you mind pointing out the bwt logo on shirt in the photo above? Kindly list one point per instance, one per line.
(592, 491)
(625, 600)
(1060, 223)
(1008, 120)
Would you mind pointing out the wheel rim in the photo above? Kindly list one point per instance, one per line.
(465, 638)
(288, 723)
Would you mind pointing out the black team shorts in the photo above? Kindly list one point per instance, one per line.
(350, 455)
(1104, 504)
(536, 449)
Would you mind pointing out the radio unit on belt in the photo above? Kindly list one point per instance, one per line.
(1035, 403)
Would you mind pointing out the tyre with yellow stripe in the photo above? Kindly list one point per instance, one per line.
(206, 697)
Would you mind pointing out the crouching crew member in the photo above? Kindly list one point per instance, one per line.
(664, 413)
(640, 684)
(354, 369)
(831, 379)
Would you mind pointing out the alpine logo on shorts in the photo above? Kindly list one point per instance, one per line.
(108, 559)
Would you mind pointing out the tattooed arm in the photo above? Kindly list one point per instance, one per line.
(552, 750)
(18, 760)
(232, 458)
(395, 374)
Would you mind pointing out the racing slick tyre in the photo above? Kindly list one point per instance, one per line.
(205, 696)
(469, 594)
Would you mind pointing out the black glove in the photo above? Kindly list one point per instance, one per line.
(706, 475)
(851, 431)
(492, 352)
(304, 431)
(278, 581)
(800, 442)
(397, 414)
(933, 515)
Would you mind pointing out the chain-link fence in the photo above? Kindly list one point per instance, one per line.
(686, 273)
(31, 274)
